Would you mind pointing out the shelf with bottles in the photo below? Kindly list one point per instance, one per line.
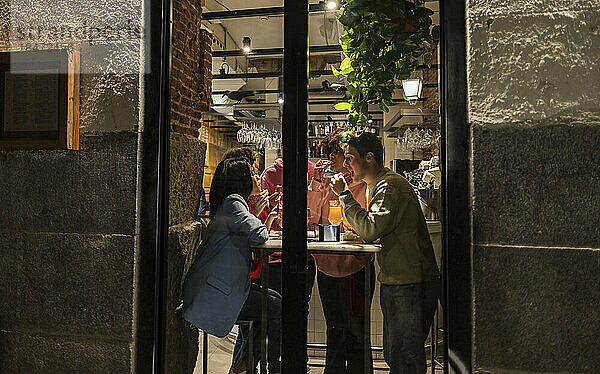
(320, 129)
(314, 149)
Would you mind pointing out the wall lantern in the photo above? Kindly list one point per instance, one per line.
(331, 5)
(412, 88)
(246, 44)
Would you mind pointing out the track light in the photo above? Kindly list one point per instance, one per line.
(246, 42)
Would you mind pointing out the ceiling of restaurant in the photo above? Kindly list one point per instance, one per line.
(267, 32)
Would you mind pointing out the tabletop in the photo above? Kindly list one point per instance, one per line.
(341, 247)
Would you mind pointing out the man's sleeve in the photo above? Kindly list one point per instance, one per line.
(378, 221)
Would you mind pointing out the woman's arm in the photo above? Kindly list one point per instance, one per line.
(242, 221)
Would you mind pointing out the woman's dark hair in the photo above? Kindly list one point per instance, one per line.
(241, 152)
(365, 143)
(331, 143)
(231, 176)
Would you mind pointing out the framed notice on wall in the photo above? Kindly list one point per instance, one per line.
(39, 100)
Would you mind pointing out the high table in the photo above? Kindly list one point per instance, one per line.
(348, 247)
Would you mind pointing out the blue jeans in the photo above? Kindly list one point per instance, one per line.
(252, 310)
(253, 305)
(408, 312)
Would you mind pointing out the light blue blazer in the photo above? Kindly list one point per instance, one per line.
(218, 282)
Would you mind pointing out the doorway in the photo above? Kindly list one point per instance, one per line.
(283, 94)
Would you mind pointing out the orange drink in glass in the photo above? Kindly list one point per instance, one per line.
(335, 212)
(280, 216)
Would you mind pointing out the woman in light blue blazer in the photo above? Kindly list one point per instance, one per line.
(217, 289)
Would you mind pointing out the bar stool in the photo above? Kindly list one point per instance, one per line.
(239, 322)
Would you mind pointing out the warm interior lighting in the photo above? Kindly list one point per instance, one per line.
(246, 44)
(412, 88)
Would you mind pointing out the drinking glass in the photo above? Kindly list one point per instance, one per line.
(335, 212)
(280, 216)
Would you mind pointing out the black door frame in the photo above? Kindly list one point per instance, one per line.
(456, 262)
(294, 136)
(456, 225)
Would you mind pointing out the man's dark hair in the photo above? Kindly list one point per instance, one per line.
(365, 143)
(331, 143)
(241, 152)
(232, 176)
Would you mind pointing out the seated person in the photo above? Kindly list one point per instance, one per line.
(217, 290)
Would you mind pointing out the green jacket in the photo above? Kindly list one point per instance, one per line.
(394, 216)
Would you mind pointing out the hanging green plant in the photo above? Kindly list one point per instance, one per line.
(383, 42)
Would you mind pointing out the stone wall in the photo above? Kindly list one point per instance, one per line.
(68, 227)
(534, 89)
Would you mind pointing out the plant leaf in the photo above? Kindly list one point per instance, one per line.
(345, 63)
(344, 105)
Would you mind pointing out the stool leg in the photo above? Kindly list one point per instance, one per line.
(251, 348)
(433, 342)
(204, 352)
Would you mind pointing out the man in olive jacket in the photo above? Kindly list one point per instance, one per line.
(409, 275)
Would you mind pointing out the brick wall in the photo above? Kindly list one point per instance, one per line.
(190, 97)
(431, 76)
(191, 68)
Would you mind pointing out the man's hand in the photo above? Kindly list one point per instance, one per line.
(270, 219)
(320, 167)
(338, 184)
(260, 202)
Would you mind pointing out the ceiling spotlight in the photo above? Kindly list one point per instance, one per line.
(412, 88)
(280, 100)
(246, 44)
(331, 5)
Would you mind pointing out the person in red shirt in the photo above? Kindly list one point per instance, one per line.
(272, 177)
